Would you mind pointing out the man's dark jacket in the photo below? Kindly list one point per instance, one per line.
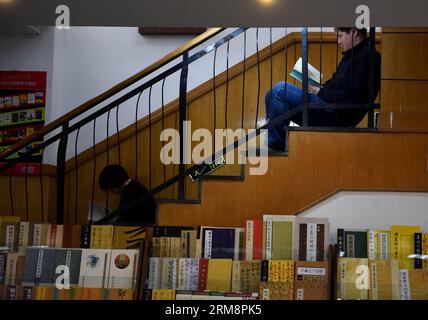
(350, 82)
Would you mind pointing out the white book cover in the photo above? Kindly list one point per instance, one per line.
(94, 268)
(314, 76)
(37, 235)
(192, 282)
(181, 274)
(123, 268)
(11, 269)
(155, 274)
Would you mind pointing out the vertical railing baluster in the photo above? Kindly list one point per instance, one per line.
(305, 93)
(337, 63)
(41, 186)
(136, 135)
(94, 156)
(150, 138)
(286, 62)
(321, 57)
(182, 118)
(67, 213)
(118, 135)
(271, 64)
(372, 84)
(163, 125)
(227, 88)
(12, 207)
(76, 176)
(108, 151)
(26, 191)
(258, 78)
(60, 175)
(243, 79)
(215, 101)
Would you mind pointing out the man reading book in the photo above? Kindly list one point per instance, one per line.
(349, 84)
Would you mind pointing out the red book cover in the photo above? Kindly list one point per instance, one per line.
(52, 242)
(203, 274)
(258, 240)
(67, 236)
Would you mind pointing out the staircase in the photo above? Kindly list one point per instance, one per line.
(317, 165)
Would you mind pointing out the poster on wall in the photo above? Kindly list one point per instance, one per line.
(22, 113)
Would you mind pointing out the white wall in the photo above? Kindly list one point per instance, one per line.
(30, 53)
(372, 210)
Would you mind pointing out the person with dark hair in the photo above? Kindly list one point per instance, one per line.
(349, 84)
(115, 179)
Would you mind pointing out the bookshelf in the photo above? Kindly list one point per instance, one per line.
(22, 108)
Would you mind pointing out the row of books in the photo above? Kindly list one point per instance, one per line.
(272, 279)
(13, 135)
(407, 244)
(65, 268)
(366, 279)
(282, 237)
(75, 293)
(16, 235)
(172, 294)
(21, 99)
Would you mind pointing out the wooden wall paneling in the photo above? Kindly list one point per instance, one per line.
(405, 56)
(404, 30)
(404, 104)
(319, 164)
(34, 198)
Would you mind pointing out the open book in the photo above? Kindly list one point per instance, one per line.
(314, 76)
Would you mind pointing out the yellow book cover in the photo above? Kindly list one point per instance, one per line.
(44, 228)
(402, 245)
(120, 294)
(128, 237)
(66, 294)
(219, 274)
(425, 250)
(101, 237)
(163, 294)
(165, 246)
(12, 219)
(276, 290)
(250, 275)
(92, 293)
(418, 283)
(43, 293)
(156, 247)
(278, 237)
(175, 247)
(286, 270)
(384, 280)
(274, 270)
(352, 279)
(188, 243)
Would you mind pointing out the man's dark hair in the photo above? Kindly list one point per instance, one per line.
(362, 32)
(113, 176)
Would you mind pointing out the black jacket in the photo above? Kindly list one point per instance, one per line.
(350, 82)
(143, 213)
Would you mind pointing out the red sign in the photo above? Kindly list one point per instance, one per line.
(23, 80)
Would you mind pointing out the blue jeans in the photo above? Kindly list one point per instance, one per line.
(284, 97)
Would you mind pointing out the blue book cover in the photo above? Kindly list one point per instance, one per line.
(218, 243)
